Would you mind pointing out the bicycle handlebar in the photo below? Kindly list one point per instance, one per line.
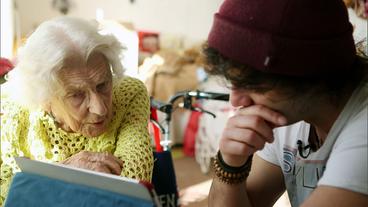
(187, 102)
(187, 96)
(200, 95)
(161, 106)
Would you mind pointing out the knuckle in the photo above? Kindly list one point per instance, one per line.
(243, 149)
(223, 141)
(99, 165)
(226, 132)
(262, 145)
(97, 168)
(105, 155)
(83, 153)
(259, 108)
(256, 121)
(229, 133)
(232, 119)
(237, 113)
(252, 135)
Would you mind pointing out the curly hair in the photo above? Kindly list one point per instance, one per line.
(246, 77)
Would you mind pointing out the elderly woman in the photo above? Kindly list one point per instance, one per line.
(67, 101)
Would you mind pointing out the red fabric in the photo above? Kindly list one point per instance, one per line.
(142, 35)
(5, 66)
(190, 133)
(156, 131)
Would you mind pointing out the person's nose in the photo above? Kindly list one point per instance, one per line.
(97, 105)
(240, 98)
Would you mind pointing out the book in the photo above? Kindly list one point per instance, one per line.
(113, 183)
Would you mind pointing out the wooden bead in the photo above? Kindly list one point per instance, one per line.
(230, 177)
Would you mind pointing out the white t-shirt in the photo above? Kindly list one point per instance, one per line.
(342, 161)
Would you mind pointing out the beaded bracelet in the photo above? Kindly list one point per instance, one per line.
(228, 174)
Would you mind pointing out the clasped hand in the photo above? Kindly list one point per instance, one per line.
(96, 161)
(247, 131)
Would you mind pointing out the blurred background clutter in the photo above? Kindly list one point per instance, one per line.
(162, 40)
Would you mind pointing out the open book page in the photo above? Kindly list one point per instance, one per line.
(104, 181)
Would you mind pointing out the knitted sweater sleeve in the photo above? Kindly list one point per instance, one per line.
(133, 140)
(14, 128)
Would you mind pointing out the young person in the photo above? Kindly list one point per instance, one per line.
(302, 97)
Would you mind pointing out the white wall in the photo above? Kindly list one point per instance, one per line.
(191, 18)
(33, 12)
(7, 29)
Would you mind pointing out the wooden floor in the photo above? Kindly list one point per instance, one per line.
(194, 185)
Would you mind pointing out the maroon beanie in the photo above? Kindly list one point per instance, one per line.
(291, 37)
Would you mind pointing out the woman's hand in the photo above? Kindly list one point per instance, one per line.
(96, 161)
(247, 132)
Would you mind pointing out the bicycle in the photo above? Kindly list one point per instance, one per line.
(164, 178)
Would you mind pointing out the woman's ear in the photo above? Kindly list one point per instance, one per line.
(46, 107)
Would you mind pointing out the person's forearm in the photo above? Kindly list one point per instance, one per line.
(222, 194)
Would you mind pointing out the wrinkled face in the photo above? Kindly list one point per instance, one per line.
(85, 103)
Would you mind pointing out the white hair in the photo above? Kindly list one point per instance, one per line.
(34, 79)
